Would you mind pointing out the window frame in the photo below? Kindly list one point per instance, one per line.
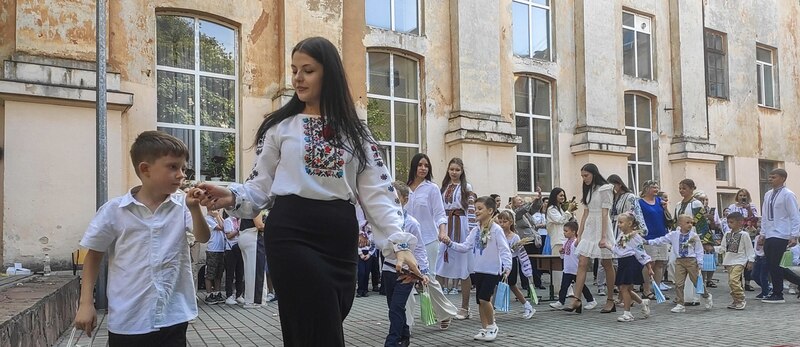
(530, 117)
(391, 145)
(726, 165)
(760, 67)
(196, 73)
(724, 54)
(649, 32)
(393, 21)
(633, 176)
(763, 181)
(549, 8)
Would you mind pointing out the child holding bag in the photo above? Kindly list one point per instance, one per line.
(632, 257)
(492, 262)
(520, 263)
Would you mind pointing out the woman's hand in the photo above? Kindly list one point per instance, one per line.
(213, 196)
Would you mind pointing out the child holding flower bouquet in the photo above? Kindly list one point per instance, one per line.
(492, 262)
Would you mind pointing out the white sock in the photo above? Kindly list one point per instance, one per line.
(627, 313)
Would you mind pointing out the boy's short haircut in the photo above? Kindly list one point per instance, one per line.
(401, 188)
(571, 225)
(735, 216)
(151, 145)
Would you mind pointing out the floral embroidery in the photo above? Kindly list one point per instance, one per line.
(376, 155)
(320, 157)
(384, 177)
(260, 146)
(253, 175)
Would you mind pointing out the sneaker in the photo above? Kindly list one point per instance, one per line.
(240, 300)
(792, 291)
(760, 296)
(250, 305)
(678, 309)
(271, 297)
(625, 317)
(590, 305)
(663, 286)
(556, 305)
(773, 299)
(211, 299)
(529, 311)
(230, 300)
(646, 307)
(740, 305)
(462, 314)
(480, 336)
(708, 302)
(601, 291)
(491, 332)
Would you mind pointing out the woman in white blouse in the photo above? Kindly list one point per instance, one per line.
(314, 159)
(556, 218)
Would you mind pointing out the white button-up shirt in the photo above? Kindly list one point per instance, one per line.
(150, 282)
(779, 215)
(425, 204)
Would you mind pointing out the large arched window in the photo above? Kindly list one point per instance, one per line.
(393, 107)
(196, 77)
(532, 105)
(639, 130)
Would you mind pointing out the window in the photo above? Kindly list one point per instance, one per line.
(197, 92)
(531, 25)
(532, 103)
(639, 130)
(764, 168)
(716, 65)
(765, 75)
(722, 169)
(396, 15)
(636, 46)
(393, 113)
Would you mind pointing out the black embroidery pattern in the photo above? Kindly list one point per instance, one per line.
(321, 159)
(376, 156)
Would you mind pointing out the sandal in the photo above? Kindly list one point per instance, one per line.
(445, 324)
(651, 296)
(711, 284)
(609, 310)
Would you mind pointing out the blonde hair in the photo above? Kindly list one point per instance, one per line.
(686, 217)
(508, 216)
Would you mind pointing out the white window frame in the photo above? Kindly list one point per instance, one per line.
(392, 18)
(531, 116)
(549, 9)
(726, 165)
(638, 19)
(760, 67)
(197, 128)
(392, 144)
(634, 175)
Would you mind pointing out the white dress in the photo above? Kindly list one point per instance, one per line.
(451, 264)
(601, 198)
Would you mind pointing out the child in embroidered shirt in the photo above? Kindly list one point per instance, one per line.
(492, 262)
(629, 248)
(688, 251)
(366, 256)
(150, 219)
(570, 256)
(519, 261)
(738, 250)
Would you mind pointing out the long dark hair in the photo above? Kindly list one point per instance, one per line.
(412, 169)
(462, 178)
(615, 179)
(553, 200)
(597, 181)
(338, 112)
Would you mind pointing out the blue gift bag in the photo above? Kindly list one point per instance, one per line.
(502, 300)
(709, 262)
(546, 248)
(657, 292)
(700, 289)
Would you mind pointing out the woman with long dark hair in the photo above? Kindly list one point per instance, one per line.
(315, 159)
(595, 227)
(557, 215)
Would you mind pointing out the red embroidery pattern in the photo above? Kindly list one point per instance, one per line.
(320, 157)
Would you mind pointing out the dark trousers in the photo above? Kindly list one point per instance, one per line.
(322, 249)
(364, 269)
(396, 296)
(234, 271)
(773, 249)
(761, 274)
(566, 280)
(516, 271)
(261, 268)
(376, 269)
(172, 336)
(537, 275)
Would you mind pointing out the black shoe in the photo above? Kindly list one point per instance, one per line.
(711, 284)
(405, 342)
(541, 287)
(748, 288)
(376, 289)
(359, 295)
(773, 299)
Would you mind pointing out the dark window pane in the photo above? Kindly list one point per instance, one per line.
(187, 136)
(405, 78)
(379, 73)
(629, 111)
(764, 55)
(628, 19)
(217, 102)
(524, 130)
(722, 170)
(217, 46)
(524, 183)
(175, 41)
(628, 54)
(645, 172)
(218, 155)
(406, 122)
(543, 173)
(643, 55)
(644, 146)
(378, 119)
(521, 94)
(402, 161)
(521, 31)
(541, 97)
(378, 13)
(405, 15)
(541, 136)
(630, 134)
(759, 72)
(175, 98)
(642, 112)
(769, 87)
(540, 30)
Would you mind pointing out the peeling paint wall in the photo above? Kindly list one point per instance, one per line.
(63, 29)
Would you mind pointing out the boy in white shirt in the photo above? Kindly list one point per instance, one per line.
(570, 256)
(151, 295)
(739, 253)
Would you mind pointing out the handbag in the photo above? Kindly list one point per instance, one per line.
(786, 259)
(73, 342)
(657, 291)
(709, 262)
(502, 299)
(426, 308)
(700, 288)
(546, 248)
(532, 296)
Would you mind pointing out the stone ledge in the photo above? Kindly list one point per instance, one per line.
(600, 139)
(699, 150)
(487, 138)
(480, 127)
(21, 91)
(37, 311)
(56, 75)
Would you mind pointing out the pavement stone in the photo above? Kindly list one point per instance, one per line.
(759, 324)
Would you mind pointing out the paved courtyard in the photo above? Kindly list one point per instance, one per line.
(759, 325)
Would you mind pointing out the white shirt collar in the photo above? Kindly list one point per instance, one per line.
(128, 199)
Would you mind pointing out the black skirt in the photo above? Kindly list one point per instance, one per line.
(312, 260)
(629, 271)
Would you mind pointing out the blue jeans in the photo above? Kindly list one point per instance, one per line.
(761, 275)
(396, 296)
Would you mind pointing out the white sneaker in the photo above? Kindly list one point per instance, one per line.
(646, 307)
(792, 291)
(491, 332)
(590, 305)
(270, 297)
(625, 317)
(556, 305)
(250, 305)
(240, 300)
(480, 336)
(601, 291)
(230, 300)
(529, 311)
(678, 309)
(663, 286)
(707, 302)
(462, 314)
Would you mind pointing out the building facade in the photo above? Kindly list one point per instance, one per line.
(525, 91)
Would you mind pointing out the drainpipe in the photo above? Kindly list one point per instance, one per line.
(705, 70)
(101, 301)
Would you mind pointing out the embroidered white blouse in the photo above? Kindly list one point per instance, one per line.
(293, 158)
(494, 258)
(426, 205)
